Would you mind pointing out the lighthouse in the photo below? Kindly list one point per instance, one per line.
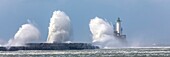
(118, 30)
(118, 27)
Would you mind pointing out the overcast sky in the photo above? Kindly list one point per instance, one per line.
(144, 21)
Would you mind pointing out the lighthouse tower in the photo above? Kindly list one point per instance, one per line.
(118, 31)
(118, 27)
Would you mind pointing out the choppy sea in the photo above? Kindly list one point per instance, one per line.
(115, 52)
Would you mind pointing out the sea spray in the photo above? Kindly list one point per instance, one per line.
(27, 33)
(102, 33)
(59, 28)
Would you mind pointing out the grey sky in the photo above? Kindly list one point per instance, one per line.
(144, 21)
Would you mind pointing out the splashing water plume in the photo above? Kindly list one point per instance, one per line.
(26, 34)
(102, 33)
(59, 28)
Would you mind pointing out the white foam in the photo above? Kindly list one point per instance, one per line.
(26, 33)
(59, 28)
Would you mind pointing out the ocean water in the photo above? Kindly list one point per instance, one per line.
(115, 52)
